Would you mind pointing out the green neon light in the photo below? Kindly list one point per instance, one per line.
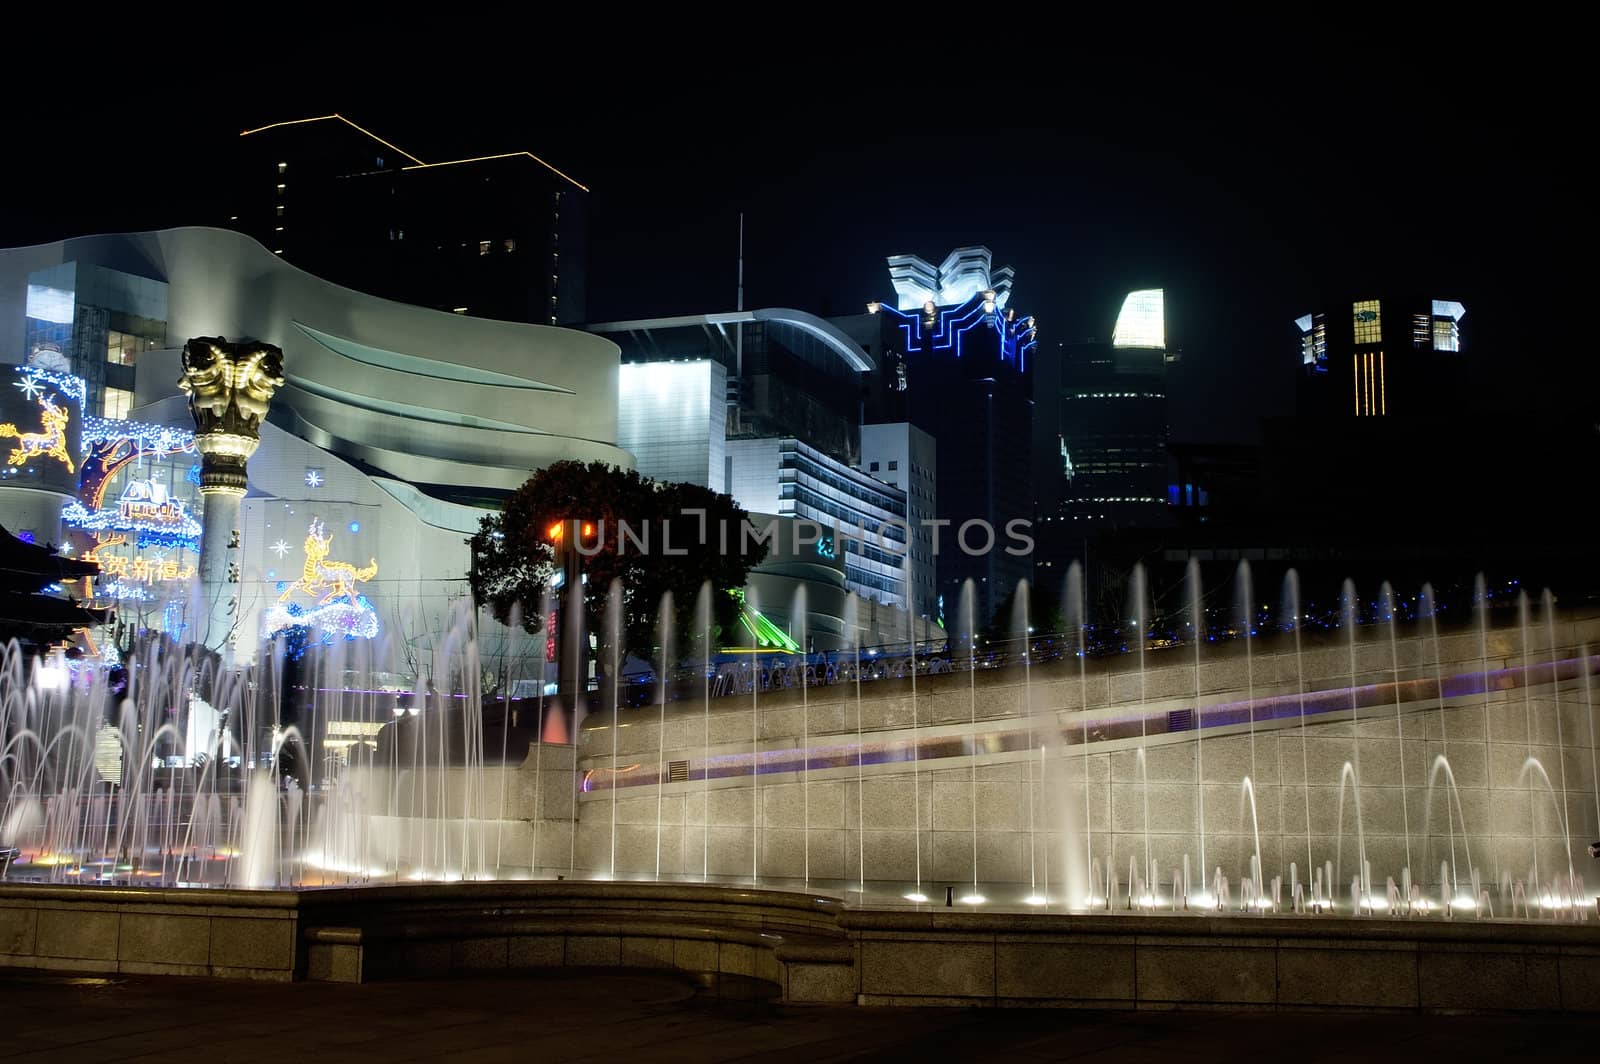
(764, 635)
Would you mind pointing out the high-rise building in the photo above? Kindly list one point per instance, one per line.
(494, 236)
(954, 359)
(1111, 413)
(1383, 356)
(864, 518)
(903, 456)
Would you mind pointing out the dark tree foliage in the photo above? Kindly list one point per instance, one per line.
(514, 554)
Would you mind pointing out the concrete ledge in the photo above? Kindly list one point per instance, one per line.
(224, 933)
(1185, 961)
(811, 949)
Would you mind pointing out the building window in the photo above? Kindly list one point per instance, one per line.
(1421, 331)
(280, 210)
(873, 468)
(122, 349)
(483, 247)
(511, 245)
(893, 465)
(1368, 322)
(118, 402)
(281, 186)
(1446, 335)
(283, 167)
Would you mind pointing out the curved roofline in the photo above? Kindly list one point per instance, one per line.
(832, 337)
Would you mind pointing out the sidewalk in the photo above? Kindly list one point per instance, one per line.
(569, 1015)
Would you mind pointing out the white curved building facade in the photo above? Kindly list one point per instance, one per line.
(397, 429)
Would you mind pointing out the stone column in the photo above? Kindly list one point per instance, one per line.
(230, 386)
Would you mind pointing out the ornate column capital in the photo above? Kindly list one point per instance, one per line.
(230, 386)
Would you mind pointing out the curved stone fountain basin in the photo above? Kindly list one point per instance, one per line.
(806, 947)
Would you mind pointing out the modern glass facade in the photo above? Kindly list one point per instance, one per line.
(94, 322)
(789, 478)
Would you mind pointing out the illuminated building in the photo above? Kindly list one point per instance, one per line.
(789, 478)
(672, 417)
(1379, 355)
(496, 235)
(1110, 417)
(396, 429)
(954, 358)
(788, 373)
(92, 321)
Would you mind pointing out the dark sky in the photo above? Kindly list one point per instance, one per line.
(1245, 175)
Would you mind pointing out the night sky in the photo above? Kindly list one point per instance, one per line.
(1243, 178)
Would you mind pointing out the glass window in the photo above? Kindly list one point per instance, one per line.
(1368, 322)
(873, 468)
(118, 402)
(894, 465)
(511, 245)
(483, 247)
(1446, 335)
(122, 349)
(282, 167)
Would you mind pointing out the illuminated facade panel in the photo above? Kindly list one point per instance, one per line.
(1142, 322)
(1447, 316)
(1368, 321)
(672, 417)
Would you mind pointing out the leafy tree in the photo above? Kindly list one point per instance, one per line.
(514, 551)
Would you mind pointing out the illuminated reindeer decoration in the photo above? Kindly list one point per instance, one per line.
(319, 573)
(51, 442)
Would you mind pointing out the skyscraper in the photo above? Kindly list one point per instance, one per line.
(1390, 355)
(1112, 416)
(955, 360)
(494, 236)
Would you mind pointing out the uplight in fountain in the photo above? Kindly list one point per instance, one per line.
(1463, 904)
(973, 899)
(917, 897)
(1036, 899)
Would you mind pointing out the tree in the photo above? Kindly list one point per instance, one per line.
(677, 537)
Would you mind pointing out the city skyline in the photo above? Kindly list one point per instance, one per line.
(1247, 199)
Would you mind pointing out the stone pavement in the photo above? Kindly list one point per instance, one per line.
(569, 1015)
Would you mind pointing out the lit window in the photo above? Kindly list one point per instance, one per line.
(118, 402)
(280, 210)
(511, 245)
(483, 247)
(459, 310)
(1446, 335)
(282, 186)
(1368, 322)
(122, 349)
(1421, 330)
(1447, 316)
(282, 167)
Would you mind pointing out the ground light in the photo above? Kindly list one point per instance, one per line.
(1035, 899)
(973, 899)
(918, 897)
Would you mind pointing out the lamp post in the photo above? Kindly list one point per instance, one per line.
(563, 536)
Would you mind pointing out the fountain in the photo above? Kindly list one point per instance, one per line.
(1450, 761)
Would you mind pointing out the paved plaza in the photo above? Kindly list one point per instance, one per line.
(569, 1015)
